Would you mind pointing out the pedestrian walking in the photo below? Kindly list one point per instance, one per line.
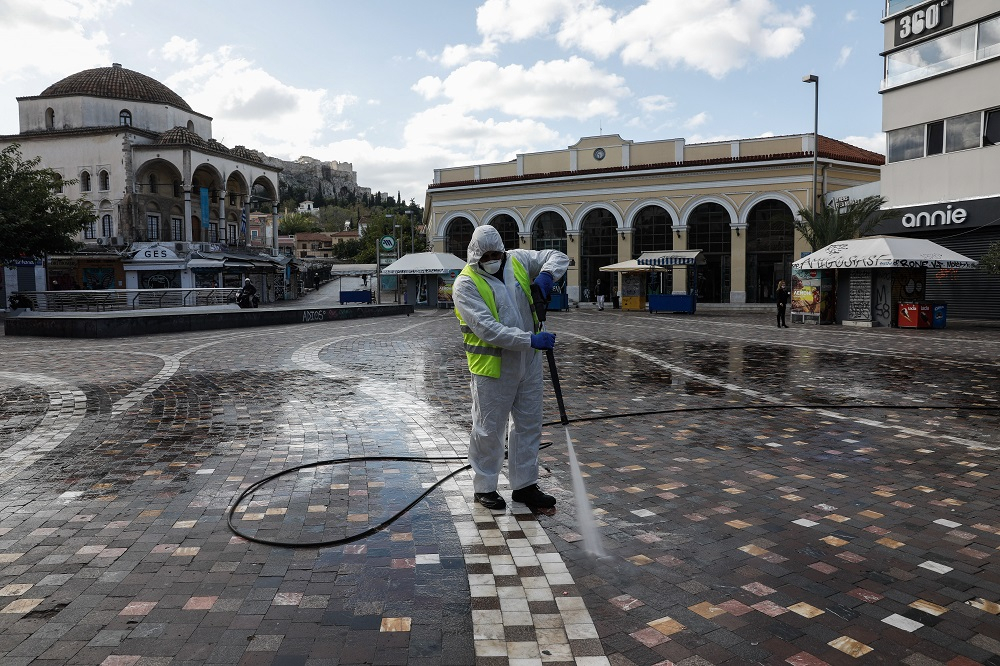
(602, 291)
(492, 298)
(781, 298)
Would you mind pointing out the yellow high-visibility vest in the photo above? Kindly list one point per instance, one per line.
(483, 357)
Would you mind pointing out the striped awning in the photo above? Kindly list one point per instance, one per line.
(672, 258)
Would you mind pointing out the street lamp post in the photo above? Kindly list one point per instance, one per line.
(409, 218)
(396, 234)
(812, 78)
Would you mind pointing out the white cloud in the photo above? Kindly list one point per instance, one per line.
(458, 54)
(851, 16)
(69, 29)
(845, 54)
(557, 89)
(180, 49)
(714, 36)
(656, 103)
(249, 106)
(874, 143)
(696, 120)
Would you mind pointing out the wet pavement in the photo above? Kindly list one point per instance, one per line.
(804, 496)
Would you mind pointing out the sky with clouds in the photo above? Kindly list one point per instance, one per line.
(399, 88)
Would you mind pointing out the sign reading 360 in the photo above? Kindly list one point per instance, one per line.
(924, 21)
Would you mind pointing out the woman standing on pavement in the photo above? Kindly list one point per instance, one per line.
(781, 298)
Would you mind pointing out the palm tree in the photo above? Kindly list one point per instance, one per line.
(831, 224)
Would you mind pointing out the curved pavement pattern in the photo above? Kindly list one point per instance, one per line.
(851, 519)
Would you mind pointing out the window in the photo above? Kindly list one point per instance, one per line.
(935, 138)
(58, 185)
(125, 118)
(153, 227)
(932, 57)
(232, 200)
(104, 183)
(989, 38)
(962, 132)
(152, 184)
(232, 233)
(991, 136)
(177, 228)
(90, 231)
(906, 144)
(253, 234)
(85, 181)
(213, 232)
(50, 119)
(107, 228)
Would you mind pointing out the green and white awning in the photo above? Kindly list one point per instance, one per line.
(672, 258)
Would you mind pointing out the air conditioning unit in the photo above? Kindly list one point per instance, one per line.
(180, 247)
(109, 241)
(204, 247)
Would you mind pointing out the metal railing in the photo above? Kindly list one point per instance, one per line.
(124, 299)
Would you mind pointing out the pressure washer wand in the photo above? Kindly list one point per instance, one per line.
(541, 309)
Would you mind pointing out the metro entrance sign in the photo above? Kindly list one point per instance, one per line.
(387, 243)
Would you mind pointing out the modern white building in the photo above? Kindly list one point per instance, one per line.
(162, 188)
(941, 115)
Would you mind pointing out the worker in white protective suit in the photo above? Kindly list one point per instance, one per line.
(492, 297)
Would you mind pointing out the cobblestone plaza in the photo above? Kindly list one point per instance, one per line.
(803, 496)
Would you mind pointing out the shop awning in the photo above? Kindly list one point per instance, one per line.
(425, 263)
(630, 266)
(672, 258)
(884, 252)
(353, 269)
(205, 263)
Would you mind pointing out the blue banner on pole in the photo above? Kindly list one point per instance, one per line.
(204, 208)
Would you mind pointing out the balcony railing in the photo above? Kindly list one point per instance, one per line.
(105, 300)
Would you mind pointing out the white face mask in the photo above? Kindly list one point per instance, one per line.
(491, 267)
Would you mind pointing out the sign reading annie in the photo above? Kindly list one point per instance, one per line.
(941, 216)
(931, 218)
(923, 21)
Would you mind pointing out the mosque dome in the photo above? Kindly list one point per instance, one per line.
(116, 82)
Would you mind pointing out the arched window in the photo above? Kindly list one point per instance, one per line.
(190, 125)
(507, 227)
(57, 185)
(50, 118)
(459, 234)
(90, 231)
(104, 183)
(125, 118)
(107, 227)
(152, 183)
(85, 181)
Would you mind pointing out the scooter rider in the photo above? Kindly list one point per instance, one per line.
(492, 298)
(247, 296)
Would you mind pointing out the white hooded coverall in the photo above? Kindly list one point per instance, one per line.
(517, 393)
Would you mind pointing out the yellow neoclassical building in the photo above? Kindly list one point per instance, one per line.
(606, 200)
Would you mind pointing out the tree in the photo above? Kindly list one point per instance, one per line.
(990, 262)
(295, 223)
(831, 224)
(35, 219)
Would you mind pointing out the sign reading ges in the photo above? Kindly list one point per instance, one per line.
(924, 21)
(155, 253)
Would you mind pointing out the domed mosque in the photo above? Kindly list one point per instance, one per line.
(156, 177)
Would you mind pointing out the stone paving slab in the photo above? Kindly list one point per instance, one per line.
(803, 496)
